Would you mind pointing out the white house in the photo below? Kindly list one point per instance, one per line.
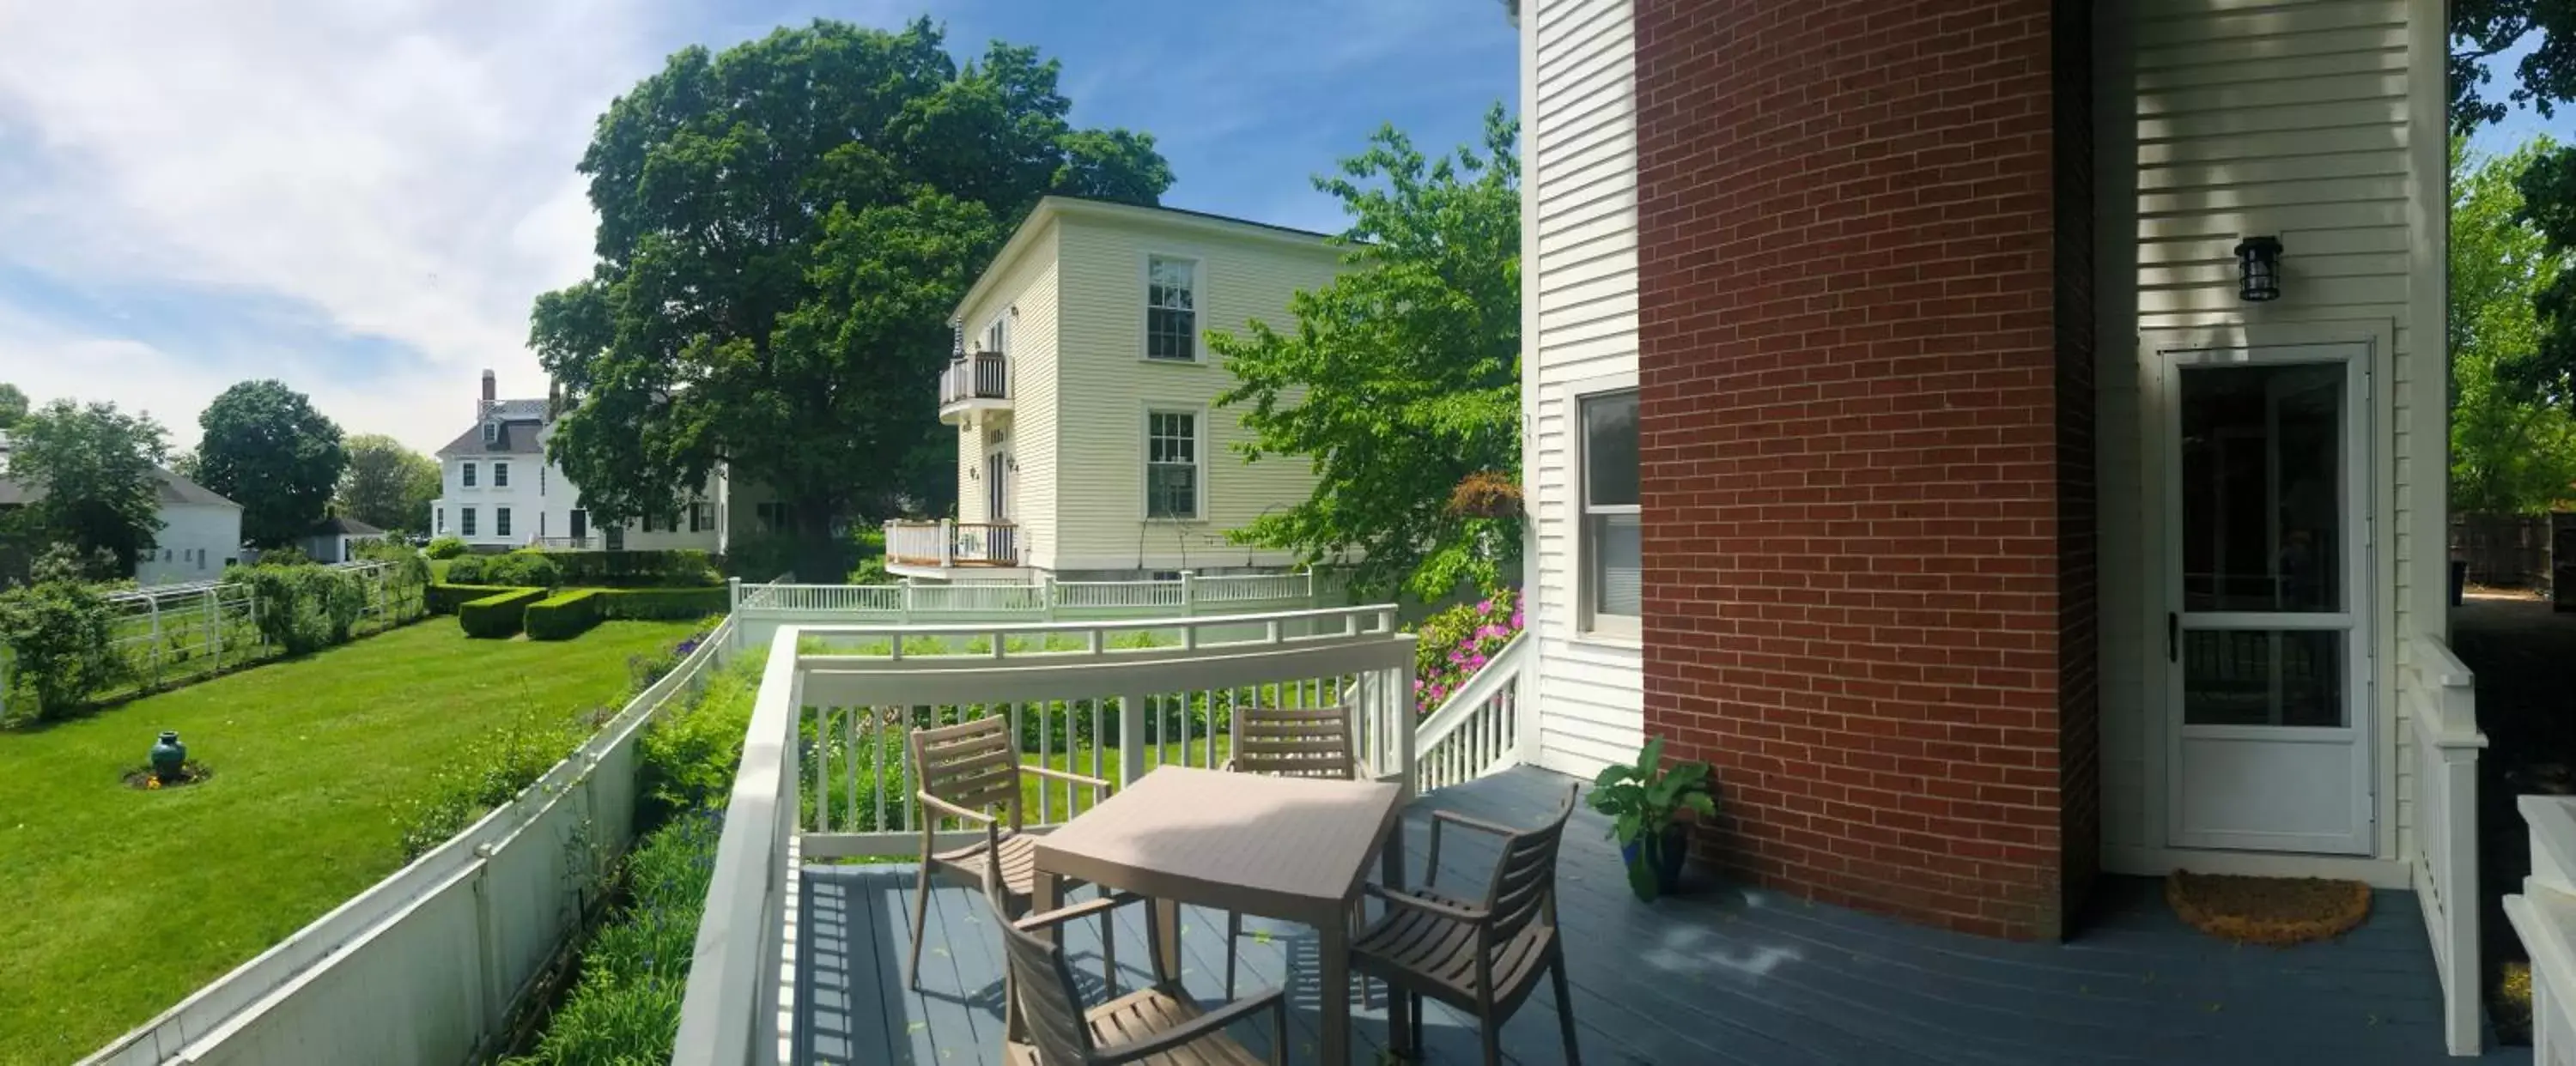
(1999, 429)
(499, 492)
(1082, 389)
(200, 530)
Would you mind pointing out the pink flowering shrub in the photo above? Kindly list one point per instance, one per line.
(1457, 642)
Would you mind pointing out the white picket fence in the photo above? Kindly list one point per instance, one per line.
(424, 968)
(2442, 708)
(1480, 728)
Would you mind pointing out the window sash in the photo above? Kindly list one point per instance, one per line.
(1609, 536)
(500, 521)
(465, 520)
(1172, 464)
(1171, 309)
(500, 475)
(469, 475)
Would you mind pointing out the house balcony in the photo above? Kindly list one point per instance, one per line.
(972, 383)
(947, 549)
(801, 954)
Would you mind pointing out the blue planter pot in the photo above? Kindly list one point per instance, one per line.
(168, 756)
(1669, 855)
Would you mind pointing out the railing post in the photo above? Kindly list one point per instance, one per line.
(1189, 593)
(947, 543)
(733, 595)
(1400, 703)
(1047, 595)
(1131, 738)
(903, 604)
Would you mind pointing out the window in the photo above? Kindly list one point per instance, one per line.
(647, 520)
(541, 479)
(1171, 309)
(465, 520)
(997, 334)
(1612, 540)
(771, 516)
(1171, 464)
(491, 432)
(500, 521)
(438, 521)
(702, 517)
(469, 475)
(500, 475)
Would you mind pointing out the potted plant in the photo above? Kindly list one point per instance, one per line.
(1645, 802)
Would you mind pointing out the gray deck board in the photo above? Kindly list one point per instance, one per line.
(1723, 975)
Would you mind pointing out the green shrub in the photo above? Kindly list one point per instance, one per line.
(1455, 643)
(285, 555)
(445, 599)
(303, 608)
(675, 568)
(484, 775)
(469, 570)
(498, 615)
(59, 633)
(627, 1007)
(664, 604)
(447, 548)
(521, 569)
(564, 615)
(686, 758)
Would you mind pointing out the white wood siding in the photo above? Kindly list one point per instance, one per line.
(1030, 284)
(1104, 386)
(2306, 120)
(1579, 322)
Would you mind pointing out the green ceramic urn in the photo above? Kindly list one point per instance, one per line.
(168, 755)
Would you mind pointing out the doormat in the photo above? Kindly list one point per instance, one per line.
(2267, 910)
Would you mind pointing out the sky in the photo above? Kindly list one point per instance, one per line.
(2522, 123)
(362, 197)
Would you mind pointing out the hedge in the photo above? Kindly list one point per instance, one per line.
(445, 599)
(664, 604)
(564, 616)
(671, 568)
(497, 615)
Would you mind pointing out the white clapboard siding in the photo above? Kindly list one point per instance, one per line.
(1580, 285)
(1026, 293)
(2260, 116)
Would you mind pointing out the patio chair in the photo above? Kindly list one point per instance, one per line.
(1290, 742)
(968, 771)
(1047, 1025)
(1482, 956)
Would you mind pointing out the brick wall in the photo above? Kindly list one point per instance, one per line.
(1867, 525)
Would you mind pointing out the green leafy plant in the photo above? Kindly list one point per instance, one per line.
(447, 548)
(664, 604)
(563, 616)
(60, 636)
(520, 569)
(1450, 646)
(1645, 800)
(499, 615)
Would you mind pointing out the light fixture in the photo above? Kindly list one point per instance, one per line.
(2258, 269)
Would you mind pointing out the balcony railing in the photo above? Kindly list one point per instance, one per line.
(976, 376)
(824, 769)
(946, 544)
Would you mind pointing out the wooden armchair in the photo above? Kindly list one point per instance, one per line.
(1289, 742)
(968, 771)
(1482, 956)
(1050, 1027)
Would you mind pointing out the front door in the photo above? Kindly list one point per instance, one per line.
(580, 527)
(997, 493)
(2268, 646)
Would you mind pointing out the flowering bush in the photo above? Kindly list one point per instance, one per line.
(1456, 643)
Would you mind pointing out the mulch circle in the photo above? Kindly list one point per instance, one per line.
(190, 773)
(2267, 910)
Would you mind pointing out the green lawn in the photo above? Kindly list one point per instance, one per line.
(116, 903)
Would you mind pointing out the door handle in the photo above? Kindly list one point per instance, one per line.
(2173, 637)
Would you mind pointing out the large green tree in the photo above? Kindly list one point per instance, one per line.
(2510, 452)
(387, 486)
(783, 228)
(91, 469)
(267, 449)
(1400, 381)
(13, 405)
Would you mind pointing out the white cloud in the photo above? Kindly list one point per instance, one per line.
(402, 169)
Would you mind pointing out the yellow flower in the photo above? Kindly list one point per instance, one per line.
(154, 783)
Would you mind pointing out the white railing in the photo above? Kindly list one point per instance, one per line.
(1121, 595)
(2442, 707)
(1237, 588)
(1045, 600)
(428, 964)
(826, 774)
(916, 540)
(949, 543)
(1480, 728)
(975, 376)
(2544, 917)
(974, 599)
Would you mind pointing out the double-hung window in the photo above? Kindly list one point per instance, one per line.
(465, 520)
(1171, 309)
(469, 475)
(1612, 540)
(500, 521)
(1172, 464)
(500, 475)
(702, 517)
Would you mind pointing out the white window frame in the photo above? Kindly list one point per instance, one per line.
(1198, 458)
(702, 516)
(997, 333)
(465, 522)
(1585, 622)
(500, 521)
(500, 475)
(1146, 308)
(467, 474)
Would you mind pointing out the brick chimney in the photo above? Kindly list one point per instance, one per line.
(491, 392)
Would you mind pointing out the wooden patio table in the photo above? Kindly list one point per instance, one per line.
(1294, 849)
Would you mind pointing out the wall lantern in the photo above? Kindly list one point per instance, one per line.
(2258, 269)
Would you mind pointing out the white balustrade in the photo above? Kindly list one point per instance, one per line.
(2441, 704)
(1478, 729)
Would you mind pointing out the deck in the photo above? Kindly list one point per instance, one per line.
(1723, 976)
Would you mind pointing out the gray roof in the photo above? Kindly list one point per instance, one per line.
(175, 491)
(344, 526)
(517, 437)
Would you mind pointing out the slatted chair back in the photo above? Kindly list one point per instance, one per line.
(1041, 981)
(1524, 885)
(975, 765)
(1294, 742)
